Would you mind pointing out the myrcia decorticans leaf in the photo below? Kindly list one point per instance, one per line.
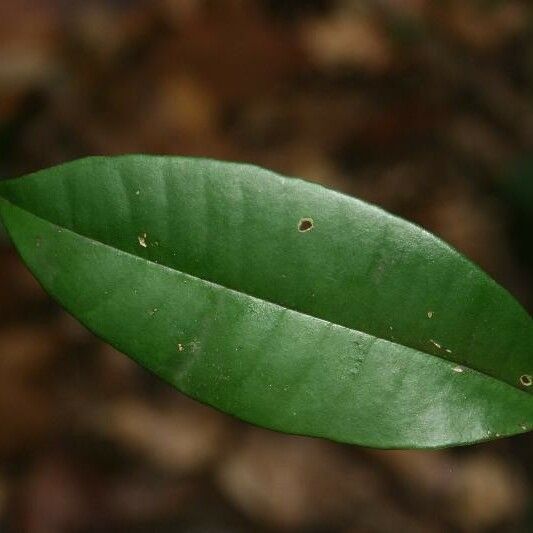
(286, 304)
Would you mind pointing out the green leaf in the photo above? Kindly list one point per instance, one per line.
(286, 304)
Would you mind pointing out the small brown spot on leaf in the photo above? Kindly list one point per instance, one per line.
(526, 380)
(305, 224)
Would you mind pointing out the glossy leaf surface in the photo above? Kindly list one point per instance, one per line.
(289, 305)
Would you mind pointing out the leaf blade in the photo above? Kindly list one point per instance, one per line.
(424, 401)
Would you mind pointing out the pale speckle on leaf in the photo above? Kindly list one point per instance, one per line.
(142, 240)
(194, 346)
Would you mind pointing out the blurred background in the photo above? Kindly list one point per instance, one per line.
(423, 107)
